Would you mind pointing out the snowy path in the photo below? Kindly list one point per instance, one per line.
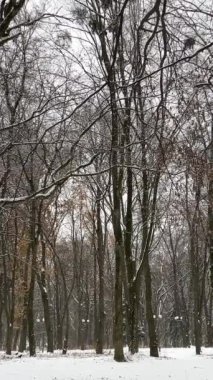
(174, 364)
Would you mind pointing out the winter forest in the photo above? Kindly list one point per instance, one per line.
(106, 175)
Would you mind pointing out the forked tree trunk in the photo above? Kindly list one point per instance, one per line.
(116, 190)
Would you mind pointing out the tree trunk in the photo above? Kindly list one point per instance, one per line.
(59, 333)
(210, 207)
(1, 330)
(1, 310)
(118, 317)
(153, 344)
(30, 311)
(197, 333)
(23, 335)
(133, 316)
(116, 175)
(95, 293)
(196, 292)
(45, 300)
(48, 322)
(100, 257)
(9, 336)
(15, 340)
(30, 318)
(208, 307)
(30, 315)
(59, 326)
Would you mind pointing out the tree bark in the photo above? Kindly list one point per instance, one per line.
(153, 344)
(45, 300)
(30, 311)
(100, 257)
(210, 206)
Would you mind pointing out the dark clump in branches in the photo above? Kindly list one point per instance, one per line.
(188, 43)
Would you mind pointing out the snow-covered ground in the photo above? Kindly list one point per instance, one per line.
(173, 364)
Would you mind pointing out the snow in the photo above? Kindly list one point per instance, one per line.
(173, 364)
